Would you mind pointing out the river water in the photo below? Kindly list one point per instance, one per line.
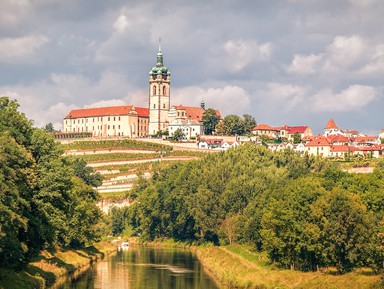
(145, 268)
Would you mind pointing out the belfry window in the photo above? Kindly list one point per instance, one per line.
(163, 105)
(164, 90)
(154, 90)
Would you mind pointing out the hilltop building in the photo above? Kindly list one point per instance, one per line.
(131, 121)
(284, 131)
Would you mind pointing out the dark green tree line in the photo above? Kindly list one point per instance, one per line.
(45, 199)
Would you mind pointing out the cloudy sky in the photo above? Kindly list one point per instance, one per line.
(296, 62)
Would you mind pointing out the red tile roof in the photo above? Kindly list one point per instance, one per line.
(195, 113)
(297, 129)
(342, 149)
(338, 138)
(331, 124)
(142, 111)
(105, 111)
(318, 141)
(363, 139)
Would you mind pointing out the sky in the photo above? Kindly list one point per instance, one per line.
(294, 62)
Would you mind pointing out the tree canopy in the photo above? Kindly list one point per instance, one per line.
(303, 212)
(45, 200)
(210, 120)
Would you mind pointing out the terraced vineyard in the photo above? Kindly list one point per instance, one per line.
(122, 162)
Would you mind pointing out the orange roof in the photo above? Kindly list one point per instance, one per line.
(195, 113)
(331, 124)
(104, 111)
(297, 129)
(265, 126)
(338, 138)
(363, 139)
(318, 141)
(342, 149)
(142, 111)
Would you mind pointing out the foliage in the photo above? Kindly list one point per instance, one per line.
(249, 123)
(302, 212)
(296, 138)
(86, 173)
(178, 135)
(233, 125)
(236, 125)
(49, 127)
(116, 144)
(87, 158)
(42, 202)
(210, 120)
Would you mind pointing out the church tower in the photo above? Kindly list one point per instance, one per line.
(159, 96)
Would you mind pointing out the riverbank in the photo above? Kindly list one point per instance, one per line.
(50, 265)
(236, 266)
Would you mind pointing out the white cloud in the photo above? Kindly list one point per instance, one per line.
(243, 53)
(305, 64)
(355, 97)
(285, 96)
(346, 52)
(121, 23)
(16, 49)
(376, 63)
(13, 12)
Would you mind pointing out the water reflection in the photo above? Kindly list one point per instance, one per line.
(145, 268)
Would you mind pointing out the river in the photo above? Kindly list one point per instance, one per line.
(145, 268)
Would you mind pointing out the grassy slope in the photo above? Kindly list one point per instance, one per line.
(50, 265)
(237, 267)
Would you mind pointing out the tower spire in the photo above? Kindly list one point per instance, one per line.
(159, 55)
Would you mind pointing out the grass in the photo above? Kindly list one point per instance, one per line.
(52, 264)
(115, 144)
(115, 196)
(238, 267)
(115, 157)
(20, 280)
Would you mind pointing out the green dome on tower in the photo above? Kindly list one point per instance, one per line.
(159, 68)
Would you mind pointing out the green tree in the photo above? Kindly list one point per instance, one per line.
(16, 123)
(233, 125)
(49, 127)
(210, 120)
(178, 135)
(86, 173)
(296, 138)
(249, 123)
(17, 182)
(347, 230)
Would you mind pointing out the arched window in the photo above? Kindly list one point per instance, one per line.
(154, 90)
(164, 90)
(163, 105)
(154, 105)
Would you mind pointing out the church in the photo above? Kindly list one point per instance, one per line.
(132, 121)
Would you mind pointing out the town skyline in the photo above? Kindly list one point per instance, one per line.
(291, 62)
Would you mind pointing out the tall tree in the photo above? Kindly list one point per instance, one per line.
(210, 120)
(249, 123)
